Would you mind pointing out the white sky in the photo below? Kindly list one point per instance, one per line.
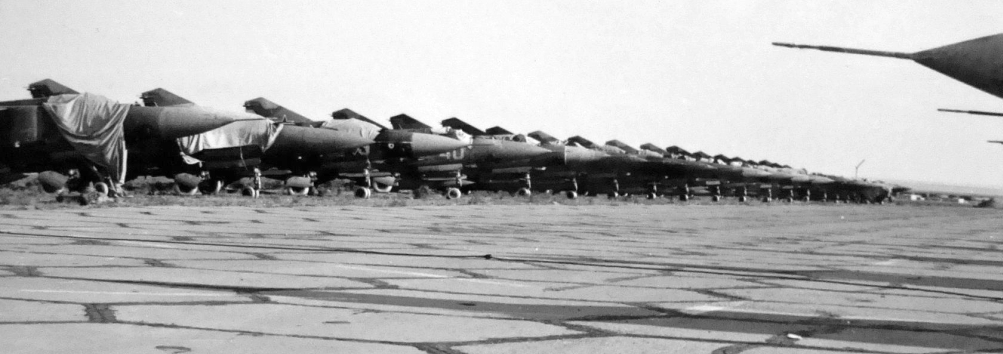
(698, 74)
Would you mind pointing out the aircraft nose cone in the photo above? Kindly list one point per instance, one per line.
(176, 122)
(511, 150)
(431, 144)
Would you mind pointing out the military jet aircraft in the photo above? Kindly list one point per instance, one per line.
(447, 170)
(93, 140)
(373, 165)
(257, 145)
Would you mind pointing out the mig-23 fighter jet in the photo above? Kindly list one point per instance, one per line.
(76, 140)
(373, 166)
(252, 148)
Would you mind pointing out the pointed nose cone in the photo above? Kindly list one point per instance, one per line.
(176, 122)
(308, 140)
(512, 150)
(977, 62)
(423, 144)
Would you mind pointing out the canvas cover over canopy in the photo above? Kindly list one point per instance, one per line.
(353, 126)
(261, 132)
(93, 126)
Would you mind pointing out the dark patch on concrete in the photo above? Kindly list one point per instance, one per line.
(100, 313)
(182, 238)
(263, 256)
(24, 271)
(173, 349)
(86, 242)
(157, 263)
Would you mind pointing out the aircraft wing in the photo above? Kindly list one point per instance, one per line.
(404, 121)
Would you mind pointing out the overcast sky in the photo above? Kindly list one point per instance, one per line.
(698, 74)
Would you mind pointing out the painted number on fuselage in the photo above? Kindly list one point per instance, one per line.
(457, 154)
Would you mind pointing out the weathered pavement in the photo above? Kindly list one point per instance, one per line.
(624, 279)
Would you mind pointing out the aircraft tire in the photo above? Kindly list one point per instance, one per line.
(363, 193)
(523, 192)
(571, 194)
(101, 188)
(743, 199)
(179, 190)
(211, 187)
(453, 193)
(382, 188)
(652, 196)
(297, 190)
(789, 200)
(612, 195)
(716, 198)
(684, 197)
(249, 192)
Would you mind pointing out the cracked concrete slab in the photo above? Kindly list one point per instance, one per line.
(205, 278)
(337, 323)
(112, 338)
(625, 345)
(83, 291)
(683, 278)
(33, 311)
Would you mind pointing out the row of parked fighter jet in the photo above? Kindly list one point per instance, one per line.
(83, 141)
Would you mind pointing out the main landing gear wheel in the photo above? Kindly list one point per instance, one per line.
(571, 194)
(652, 195)
(716, 198)
(297, 190)
(453, 193)
(101, 188)
(249, 192)
(743, 199)
(363, 193)
(177, 189)
(211, 187)
(684, 197)
(612, 195)
(523, 192)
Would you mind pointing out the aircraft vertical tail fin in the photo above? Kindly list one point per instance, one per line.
(582, 142)
(654, 148)
(543, 137)
(458, 124)
(268, 109)
(498, 131)
(622, 146)
(346, 113)
(159, 97)
(48, 87)
(404, 121)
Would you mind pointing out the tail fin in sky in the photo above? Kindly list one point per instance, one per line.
(458, 124)
(48, 87)
(268, 109)
(404, 121)
(159, 97)
(346, 113)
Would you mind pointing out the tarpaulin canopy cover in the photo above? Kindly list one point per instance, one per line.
(93, 126)
(260, 132)
(353, 126)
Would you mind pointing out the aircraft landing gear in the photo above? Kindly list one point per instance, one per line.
(453, 193)
(363, 193)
